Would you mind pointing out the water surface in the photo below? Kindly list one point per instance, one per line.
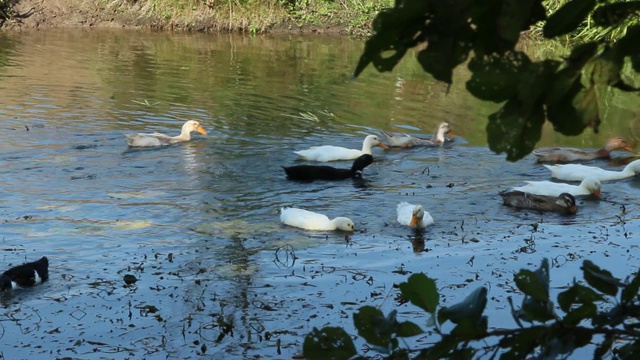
(197, 223)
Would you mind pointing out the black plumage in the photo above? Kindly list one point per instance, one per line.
(323, 172)
(25, 275)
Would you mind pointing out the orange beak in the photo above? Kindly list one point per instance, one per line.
(596, 193)
(201, 130)
(414, 221)
(383, 146)
(450, 133)
(628, 148)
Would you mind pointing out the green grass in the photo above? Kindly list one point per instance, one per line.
(254, 16)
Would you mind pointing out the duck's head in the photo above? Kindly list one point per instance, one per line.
(616, 143)
(374, 140)
(344, 224)
(416, 215)
(191, 126)
(361, 162)
(443, 131)
(592, 185)
(567, 202)
(634, 167)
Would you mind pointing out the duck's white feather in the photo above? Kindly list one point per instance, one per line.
(579, 172)
(407, 212)
(588, 186)
(158, 139)
(333, 153)
(310, 220)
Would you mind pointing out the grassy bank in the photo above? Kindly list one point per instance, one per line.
(254, 16)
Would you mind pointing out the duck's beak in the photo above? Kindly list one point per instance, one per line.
(414, 221)
(450, 133)
(201, 130)
(628, 148)
(383, 146)
(596, 193)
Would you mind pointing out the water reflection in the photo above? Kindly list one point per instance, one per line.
(197, 223)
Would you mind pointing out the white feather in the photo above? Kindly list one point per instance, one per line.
(332, 153)
(579, 172)
(407, 211)
(309, 220)
(588, 186)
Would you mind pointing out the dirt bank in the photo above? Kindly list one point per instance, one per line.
(30, 14)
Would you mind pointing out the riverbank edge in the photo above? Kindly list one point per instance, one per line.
(267, 17)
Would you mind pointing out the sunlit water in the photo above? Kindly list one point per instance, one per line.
(198, 223)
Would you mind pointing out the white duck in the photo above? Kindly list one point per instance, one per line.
(157, 139)
(413, 215)
(309, 220)
(406, 141)
(332, 153)
(589, 186)
(578, 172)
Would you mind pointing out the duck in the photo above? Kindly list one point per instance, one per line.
(564, 203)
(413, 215)
(588, 186)
(324, 172)
(157, 139)
(25, 275)
(309, 220)
(565, 155)
(327, 153)
(403, 140)
(578, 172)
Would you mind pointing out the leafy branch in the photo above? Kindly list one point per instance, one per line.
(484, 34)
(609, 305)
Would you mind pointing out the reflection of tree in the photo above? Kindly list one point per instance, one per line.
(7, 47)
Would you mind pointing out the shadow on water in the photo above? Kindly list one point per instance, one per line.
(197, 223)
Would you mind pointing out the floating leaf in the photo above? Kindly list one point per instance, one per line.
(600, 279)
(129, 279)
(421, 291)
(567, 18)
(328, 343)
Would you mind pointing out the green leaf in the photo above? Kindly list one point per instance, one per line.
(442, 55)
(534, 83)
(374, 327)
(421, 291)
(528, 283)
(577, 294)
(516, 16)
(395, 31)
(604, 69)
(600, 279)
(522, 345)
(470, 309)
(577, 110)
(408, 329)
(630, 290)
(615, 13)
(585, 311)
(496, 77)
(328, 343)
(514, 129)
(568, 18)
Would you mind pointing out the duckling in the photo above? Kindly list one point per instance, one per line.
(326, 153)
(323, 172)
(565, 203)
(564, 155)
(310, 220)
(157, 139)
(406, 141)
(25, 275)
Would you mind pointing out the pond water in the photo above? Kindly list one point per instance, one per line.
(198, 225)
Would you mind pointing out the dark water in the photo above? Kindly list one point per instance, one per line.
(198, 224)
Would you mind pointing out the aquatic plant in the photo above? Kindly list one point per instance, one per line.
(609, 306)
